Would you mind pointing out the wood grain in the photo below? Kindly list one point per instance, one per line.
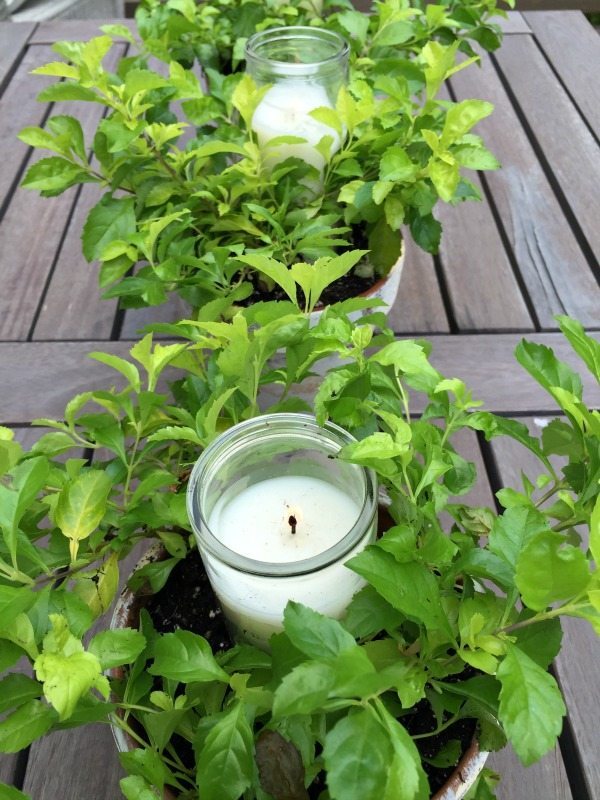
(569, 148)
(419, 307)
(547, 779)
(13, 39)
(55, 30)
(135, 319)
(18, 109)
(571, 45)
(550, 261)
(579, 680)
(484, 292)
(38, 378)
(27, 261)
(72, 307)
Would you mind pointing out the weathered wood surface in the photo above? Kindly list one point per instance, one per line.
(59, 370)
(507, 266)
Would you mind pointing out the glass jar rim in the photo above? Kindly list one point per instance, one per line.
(269, 35)
(286, 569)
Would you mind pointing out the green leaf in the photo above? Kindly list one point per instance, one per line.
(186, 657)
(409, 357)
(17, 689)
(145, 763)
(68, 130)
(66, 670)
(541, 642)
(68, 90)
(587, 348)
(461, 117)
(275, 270)
(514, 530)
(57, 69)
(406, 777)
(394, 33)
(28, 723)
(28, 478)
(10, 793)
(53, 175)
(98, 587)
(395, 165)
(426, 231)
(357, 755)
(409, 587)
(81, 506)
(135, 787)
(115, 647)
(493, 425)
(126, 368)
(595, 533)
(541, 363)
(531, 706)
(303, 690)
(13, 601)
(112, 218)
(445, 178)
(314, 634)
(548, 570)
(10, 653)
(226, 761)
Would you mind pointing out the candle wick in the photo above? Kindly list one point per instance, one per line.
(292, 522)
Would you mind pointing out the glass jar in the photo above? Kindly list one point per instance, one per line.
(305, 69)
(276, 514)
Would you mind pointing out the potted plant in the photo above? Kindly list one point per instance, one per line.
(333, 696)
(177, 213)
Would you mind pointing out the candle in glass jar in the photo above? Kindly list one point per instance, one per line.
(276, 515)
(285, 111)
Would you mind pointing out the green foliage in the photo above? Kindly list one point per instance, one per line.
(177, 213)
(465, 617)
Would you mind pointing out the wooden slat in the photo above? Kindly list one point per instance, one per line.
(32, 231)
(559, 5)
(547, 779)
(484, 292)
(72, 307)
(56, 30)
(571, 44)
(135, 319)
(74, 764)
(38, 378)
(553, 267)
(13, 38)
(515, 22)
(18, 109)
(575, 666)
(568, 146)
(8, 768)
(419, 307)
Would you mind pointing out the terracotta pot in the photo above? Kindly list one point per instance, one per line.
(126, 614)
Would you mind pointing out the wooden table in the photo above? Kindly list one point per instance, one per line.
(529, 251)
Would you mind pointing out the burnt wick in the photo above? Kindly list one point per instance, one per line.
(292, 522)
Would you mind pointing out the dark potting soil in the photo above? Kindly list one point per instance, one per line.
(187, 601)
(350, 285)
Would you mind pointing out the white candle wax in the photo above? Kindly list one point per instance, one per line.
(285, 111)
(256, 523)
